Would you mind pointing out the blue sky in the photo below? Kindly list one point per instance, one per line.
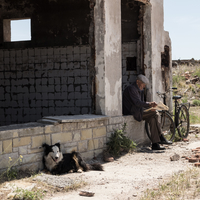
(20, 30)
(182, 20)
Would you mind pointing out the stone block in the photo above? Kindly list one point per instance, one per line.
(8, 134)
(31, 131)
(69, 150)
(32, 151)
(62, 137)
(1, 147)
(97, 152)
(99, 132)
(101, 142)
(76, 135)
(116, 120)
(21, 141)
(69, 126)
(109, 128)
(48, 139)
(88, 155)
(32, 158)
(4, 160)
(93, 144)
(16, 149)
(91, 124)
(69, 144)
(23, 150)
(32, 167)
(38, 141)
(53, 128)
(86, 134)
(7, 146)
(82, 125)
(82, 146)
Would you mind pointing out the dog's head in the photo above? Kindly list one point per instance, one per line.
(53, 152)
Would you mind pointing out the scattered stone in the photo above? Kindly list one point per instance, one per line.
(86, 194)
(193, 160)
(197, 155)
(197, 164)
(185, 140)
(191, 131)
(195, 150)
(107, 157)
(175, 157)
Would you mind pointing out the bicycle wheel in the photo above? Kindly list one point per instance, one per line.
(183, 121)
(167, 127)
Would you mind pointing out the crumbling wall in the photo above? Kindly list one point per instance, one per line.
(130, 11)
(53, 73)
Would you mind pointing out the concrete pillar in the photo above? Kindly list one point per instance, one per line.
(148, 49)
(107, 16)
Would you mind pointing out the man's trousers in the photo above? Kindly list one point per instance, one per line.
(153, 118)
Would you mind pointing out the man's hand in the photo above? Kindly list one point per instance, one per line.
(153, 104)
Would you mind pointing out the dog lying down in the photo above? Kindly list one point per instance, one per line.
(58, 163)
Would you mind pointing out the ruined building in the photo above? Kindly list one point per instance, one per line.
(80, 57)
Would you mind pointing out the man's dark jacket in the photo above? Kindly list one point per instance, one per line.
(133, 102)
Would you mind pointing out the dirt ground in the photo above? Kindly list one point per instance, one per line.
(125, 178)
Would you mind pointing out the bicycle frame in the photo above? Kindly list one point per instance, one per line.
(176, 104)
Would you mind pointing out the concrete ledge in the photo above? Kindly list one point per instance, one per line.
(76, 118)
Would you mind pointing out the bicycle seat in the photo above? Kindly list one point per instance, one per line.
(176, 97)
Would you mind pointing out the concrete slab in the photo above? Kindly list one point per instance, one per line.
(48, 121)
(76, 118)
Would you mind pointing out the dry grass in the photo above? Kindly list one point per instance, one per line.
(185, 185)
(186, 90)
(195, 115)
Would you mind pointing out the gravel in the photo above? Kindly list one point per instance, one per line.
(129, 176)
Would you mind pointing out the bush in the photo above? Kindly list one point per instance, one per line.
(118, 142)
(196, 102)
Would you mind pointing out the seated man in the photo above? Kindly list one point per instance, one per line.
(133, 104)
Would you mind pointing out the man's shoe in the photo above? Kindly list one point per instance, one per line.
(163, 140)
(156, 146)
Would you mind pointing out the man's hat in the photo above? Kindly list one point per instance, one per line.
(143, 78)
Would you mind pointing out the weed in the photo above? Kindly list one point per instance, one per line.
(180, 186)
(119, 142)
(75, 186)
(177, 80)
(29, 195)
(177, 138)
(184, 100)
(11, 172)
(196, 102)
(197, 72)
(194, 119)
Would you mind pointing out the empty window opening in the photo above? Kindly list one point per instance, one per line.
(131, 64)
(17, 30)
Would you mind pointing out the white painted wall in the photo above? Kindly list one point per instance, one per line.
(160, 38)
(108, 57)
(113, 61)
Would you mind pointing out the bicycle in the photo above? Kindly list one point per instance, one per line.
(180, 123)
